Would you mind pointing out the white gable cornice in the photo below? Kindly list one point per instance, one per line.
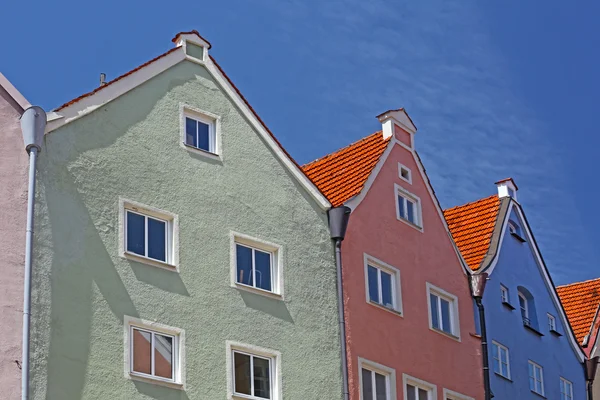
(14, 93)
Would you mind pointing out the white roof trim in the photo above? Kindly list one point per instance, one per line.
(401, 118)
(92, 102)
(14, 93)
(543, 269)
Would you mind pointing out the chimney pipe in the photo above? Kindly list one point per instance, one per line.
(477, 283)
(102, 79)
(590, 366)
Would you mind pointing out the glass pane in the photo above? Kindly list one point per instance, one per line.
(401, 207)
(262, 381)
(410, 206)
(157, 234)
(433, 300)
(386, 289)
(190, 132)
(262, 266)
(380, 387)
(163, 356)
(422, 394)
(504, 370)
(367, 389)
(142, 352)
(495, 350)
(531, 378)
(136, 241)
(244, 265)
(446, 324)
(203, 140)
(242, 373)
(373, 284)
(411, 392)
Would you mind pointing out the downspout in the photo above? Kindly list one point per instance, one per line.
(33, 124)
(477, 282)
(590, 365)
(338, 222)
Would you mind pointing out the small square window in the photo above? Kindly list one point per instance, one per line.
(443, 311)
(256, 265)
(566, 389)
(382, 284)
(504, 294)
(408, 207)
(404, 173)
(200, 131)
(254, 372)
(551, 322)
(536, 378)
(501, 360)
(416, 389)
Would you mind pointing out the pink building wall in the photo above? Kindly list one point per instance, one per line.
(406, 343)
(13, 206)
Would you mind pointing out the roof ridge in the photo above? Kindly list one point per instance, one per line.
(470, 203)
(578, 283)
(340, 149)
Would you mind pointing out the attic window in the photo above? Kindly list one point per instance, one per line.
(200, 131)
(404, 173)
(515, 230)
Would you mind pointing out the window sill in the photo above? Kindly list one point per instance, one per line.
(503, 377)
(388, 309)
(555, 333)
(508, 305)
(146, 379)
(532, 329)
(205, 153)
(262, 292)
(145, 260)
(518, 237)
(244, 397)
(407, 222)
(448, 335)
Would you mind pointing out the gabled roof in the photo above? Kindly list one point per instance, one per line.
(342, 174)
(472, 226)
(580, 301)
(16, 98)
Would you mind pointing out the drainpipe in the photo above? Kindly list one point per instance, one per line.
(590, 366)
(33, 124)
(477, 282)
(338, 222)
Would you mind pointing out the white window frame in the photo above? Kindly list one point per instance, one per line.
(206, 117)
(276, 264)
(504, 294)
(389, 373)
(526, 308)
(178, 381)
(401, 168)
(496, 356)
(396, 283)
(274, 369)
(563, 384)
(452, 395)
(454, 316)
(399, 191)
(419, 383)
(537, 367)
(172, 234)
(551, 322)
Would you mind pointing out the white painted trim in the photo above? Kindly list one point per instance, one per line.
(172, 220)
(566, 381)
(14, 93)
(276, 251)
(504, 289)
(454, 317)
(192, 38)
(507, 359)
(418, 209)
(541, 267)
(534, 364)
(276, 377)
(553, 319)
(214, 123)
(452, 395)
(396, 282)
(411, 380)
(400, 168)
(389, 373)
(179, 344)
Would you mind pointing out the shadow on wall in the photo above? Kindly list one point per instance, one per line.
(274, 307)
(169, 281)
(158, 392)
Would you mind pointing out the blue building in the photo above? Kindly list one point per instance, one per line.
(533, 352)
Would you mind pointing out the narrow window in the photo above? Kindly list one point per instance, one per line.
(501, 360)
(551, 322)
(443, 311)
(566, 389)
(536, 378)
(252, 375)
(153, 354)
(200, 134)
(524, 309)
(504, 294)
(375, 386)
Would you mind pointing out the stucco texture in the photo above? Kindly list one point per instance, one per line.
(130, 148)
(406, 343)
(13, 208)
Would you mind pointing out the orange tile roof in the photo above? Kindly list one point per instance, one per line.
(472, 225)
(342, 174)
(580, 301)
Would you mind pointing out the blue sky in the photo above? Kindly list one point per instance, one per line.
(496, 89)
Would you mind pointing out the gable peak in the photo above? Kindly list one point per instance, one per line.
(398, 117)
(191, 37)
(507, 188)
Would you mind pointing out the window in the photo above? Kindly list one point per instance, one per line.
(153, 352)
(566, 389)
(148, 235)
(524, 308)
(551, 322)
(404, 173)
(408, 207)
(416, 393)
(200, 131)
(536, 378)
(256, 264)
(504, 294)
(416, 389)
(443, 311)
(253, 372)
(501, 360)
(382, 284)
(377, 382)
(515, 230)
